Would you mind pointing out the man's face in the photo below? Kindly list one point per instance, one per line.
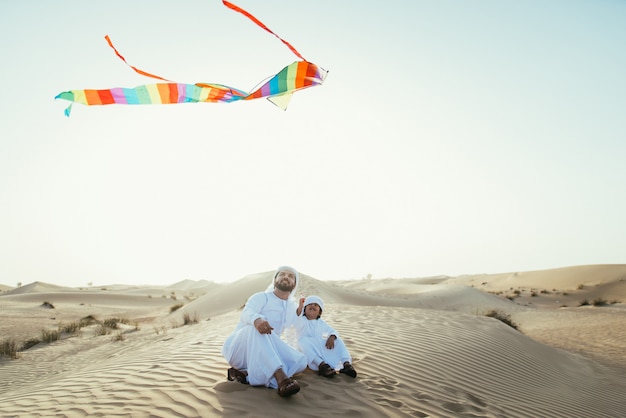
(285, 281)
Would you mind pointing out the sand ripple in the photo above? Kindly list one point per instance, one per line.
(411, 363)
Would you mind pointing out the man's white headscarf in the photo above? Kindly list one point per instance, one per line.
(293, 293)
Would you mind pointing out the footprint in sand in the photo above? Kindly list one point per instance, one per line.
(421, 396)
(385, 401)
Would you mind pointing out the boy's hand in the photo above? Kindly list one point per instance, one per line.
(330, 342)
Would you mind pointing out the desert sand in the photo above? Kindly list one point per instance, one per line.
(423, 347)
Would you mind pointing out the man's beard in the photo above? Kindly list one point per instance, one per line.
(284, 286)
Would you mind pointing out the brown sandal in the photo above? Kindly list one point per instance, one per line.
(325, 370)
(288, 387)
(348, 369)
(238, 375)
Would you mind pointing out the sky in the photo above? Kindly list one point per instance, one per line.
(450, 137)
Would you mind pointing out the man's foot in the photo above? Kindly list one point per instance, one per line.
(348, 369)
(288, 387)
(326, 371)
(238, 375)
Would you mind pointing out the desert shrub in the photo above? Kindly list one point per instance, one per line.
(88, 320)
(600, 302)
(110, 323)
(31, 342)
(102, 330)
(9, 349)
(176, 307)
(162, 329)
(580, 286)
(614, 301)
(534, 294)
(113, 323)
(583, 302)
(49, 336)
(118, 337)
(71, 328)
(188, 319)
(48, 305)
(501, 316)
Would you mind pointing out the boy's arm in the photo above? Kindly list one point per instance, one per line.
(300, 306)
(332, 335)
(330, 342)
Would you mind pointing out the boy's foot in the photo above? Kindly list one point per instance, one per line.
(288, 387)
(238, 375)
(348, 369)
(326, 371)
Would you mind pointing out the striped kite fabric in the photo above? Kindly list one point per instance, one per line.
(278, 89)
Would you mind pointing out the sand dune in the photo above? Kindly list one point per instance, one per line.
(422, 349)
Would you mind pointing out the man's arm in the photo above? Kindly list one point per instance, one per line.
(252, 311)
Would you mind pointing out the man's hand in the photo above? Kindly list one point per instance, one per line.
(263, 326)
(330, 342)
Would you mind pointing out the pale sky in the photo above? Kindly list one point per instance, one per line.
(450, 137)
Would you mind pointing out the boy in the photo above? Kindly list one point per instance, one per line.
(319, 342)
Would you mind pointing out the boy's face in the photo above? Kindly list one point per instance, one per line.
(312, 311)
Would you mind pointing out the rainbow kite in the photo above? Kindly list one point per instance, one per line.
(278, 89)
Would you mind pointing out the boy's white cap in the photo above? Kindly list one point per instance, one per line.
(314, 299)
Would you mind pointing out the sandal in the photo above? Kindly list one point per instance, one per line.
(326, 371)
(288, 387)
(348, 369)
(238, 375)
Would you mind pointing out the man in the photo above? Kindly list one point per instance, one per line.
(255, 350)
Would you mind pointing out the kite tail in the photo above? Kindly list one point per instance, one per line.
(260, 24)
(137, 70)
